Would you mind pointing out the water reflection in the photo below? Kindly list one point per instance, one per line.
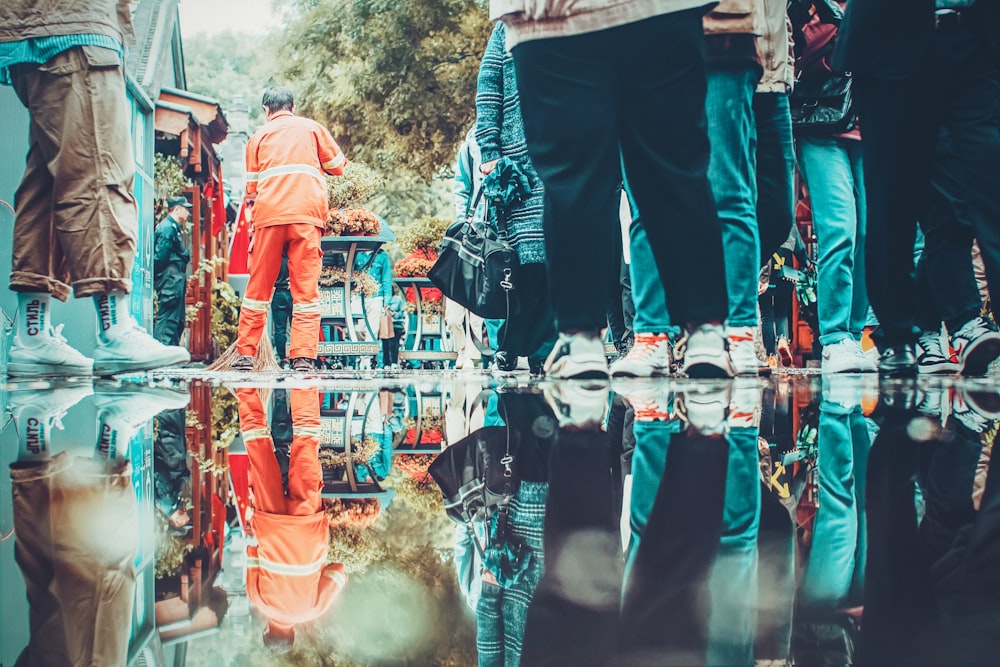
(788, 521)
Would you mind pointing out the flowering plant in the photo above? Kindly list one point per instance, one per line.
(362, 283)
(414, 267)
(352, 222)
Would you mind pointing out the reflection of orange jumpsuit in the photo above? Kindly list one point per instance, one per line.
(286, 161)
(287, 578)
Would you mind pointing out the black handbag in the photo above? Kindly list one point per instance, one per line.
(478, 478)
(823, 106)
(477, 267)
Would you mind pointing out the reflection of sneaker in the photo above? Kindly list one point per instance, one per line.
(651, 402)
(133, 349)
(931, 355)
(844, 356)
(123, 409)
(706, 354)
(745, 404)
(976, 345)
(970, 412)
(650, 356)
(843, 392)
(52, 355)
(579, 355)
(742, 350)
(36, 412)
(578, 405)
(703, 407)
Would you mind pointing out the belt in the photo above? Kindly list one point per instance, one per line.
(952, 19)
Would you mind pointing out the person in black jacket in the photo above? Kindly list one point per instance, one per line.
(170, 259)
(922, 66)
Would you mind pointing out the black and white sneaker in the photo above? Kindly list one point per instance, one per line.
(932, 357)
(976, 345)
(577, 356)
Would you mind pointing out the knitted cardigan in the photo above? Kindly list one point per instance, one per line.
(500, 133)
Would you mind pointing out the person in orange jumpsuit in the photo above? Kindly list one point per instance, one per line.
(286, 161)
(288, 578)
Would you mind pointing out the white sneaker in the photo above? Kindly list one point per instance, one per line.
(742, 350)
(870, 359)
(976, 345)
(135, 350)
(36, 412)
(705, 353)
(52, 355)
(704, 407)
(577, 356)
(578, 405)
(650, 356)
(844, 356)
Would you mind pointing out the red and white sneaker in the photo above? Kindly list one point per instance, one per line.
(650, 356)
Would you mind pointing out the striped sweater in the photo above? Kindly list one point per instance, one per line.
(500, 133)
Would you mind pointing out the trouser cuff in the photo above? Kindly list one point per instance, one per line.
(24, 281)
(97, 286)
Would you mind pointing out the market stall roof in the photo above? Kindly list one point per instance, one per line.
(207, 110)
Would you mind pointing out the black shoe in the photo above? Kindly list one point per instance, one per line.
(536, 366)
(303, 365)
(504, 361)
(244, 362)
(899, 360)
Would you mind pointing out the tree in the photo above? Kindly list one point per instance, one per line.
(394, 81)
(229, 66)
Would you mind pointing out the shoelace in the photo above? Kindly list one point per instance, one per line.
(646, 345)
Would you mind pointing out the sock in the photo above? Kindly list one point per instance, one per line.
(33, 435)
(112, 314)
(113, 437)
(32, 317)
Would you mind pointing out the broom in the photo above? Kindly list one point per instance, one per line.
(264, 363)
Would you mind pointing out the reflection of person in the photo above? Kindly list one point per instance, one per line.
(77, 221)
(76, 522)
(170, 259)
(288, 578)
(286, 195)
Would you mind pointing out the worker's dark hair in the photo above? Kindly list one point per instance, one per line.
(277, 98)
(279, 643)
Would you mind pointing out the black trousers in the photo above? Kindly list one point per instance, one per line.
(595, 103)
(958, 90)
(281, 316)
(170, 285)
(946, 281)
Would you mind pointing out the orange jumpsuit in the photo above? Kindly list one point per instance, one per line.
(287, 575)
(286, 161)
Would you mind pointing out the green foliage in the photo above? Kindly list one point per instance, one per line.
(169, 181)
(394, 81)
(424, 234)
(228, 66)
(355, 187)
(170, 550)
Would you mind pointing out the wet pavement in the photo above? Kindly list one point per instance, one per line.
(460, 519)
